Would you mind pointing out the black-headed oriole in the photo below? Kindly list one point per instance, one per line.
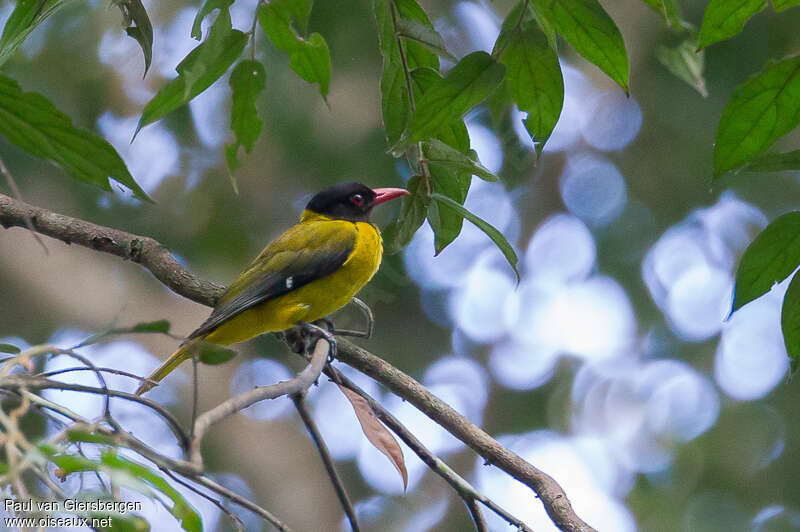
(307, 273)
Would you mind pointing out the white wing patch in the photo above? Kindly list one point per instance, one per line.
(289, 283)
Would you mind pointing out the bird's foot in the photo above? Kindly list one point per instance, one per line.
(304, 336)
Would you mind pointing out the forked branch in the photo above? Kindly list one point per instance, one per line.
(157, 259)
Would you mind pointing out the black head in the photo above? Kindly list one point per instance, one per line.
(351, 201)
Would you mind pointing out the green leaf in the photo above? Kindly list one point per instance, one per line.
(686, 63)
(202, 67)
(213, 354)
(589, 29)
(247, 81)
(395, 103)
(33, 123)
(790, 321)
(26, 16)
(309, 58)
(780, 5)
(160, 326)
(466, 85)
(769, 259)
(437, 153)
(455, 135)
(138, 26)
(496, 236)
(725, 18)
(181, 509)
(412, 214)
(9, 348)
(204, 11)
(669, 9)
(312, 62)
(424, 34)
(533, 76)
(774, 162)
(447, 223)
(449, 180)
(761, 111)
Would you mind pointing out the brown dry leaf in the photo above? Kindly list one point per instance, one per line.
(376, 433)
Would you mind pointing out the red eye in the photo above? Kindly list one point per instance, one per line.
(357, 199)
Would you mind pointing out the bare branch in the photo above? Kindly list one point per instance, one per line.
(157, 259)
(241, 501)
(298, 384)
(140, 249)
(25, 382)
(327, 460)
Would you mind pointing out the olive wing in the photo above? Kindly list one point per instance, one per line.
(304, 253)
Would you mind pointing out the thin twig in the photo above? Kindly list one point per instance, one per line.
(477, 515)
(327, 460)
(18, 382)
(112, 371)
(426, 174)
(461, 486)
(232, 516)
(299, 383)
(244, 503)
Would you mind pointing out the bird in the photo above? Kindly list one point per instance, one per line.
(311, 270)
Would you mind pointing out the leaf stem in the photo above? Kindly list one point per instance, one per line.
(426, 173)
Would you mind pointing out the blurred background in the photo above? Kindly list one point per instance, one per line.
(613, 365)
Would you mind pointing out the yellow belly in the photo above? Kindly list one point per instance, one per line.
(313, 301)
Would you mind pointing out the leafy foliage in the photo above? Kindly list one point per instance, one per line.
(496, 236)
(32, 122)
(27, 15)
(790, 321)
(775, 162)
(139, 27)
(131, 475)
(247, 81)
(412, 215)
(533, 75)
(9, 348)
(669, 9)
(213, 354)
(770, 259)
(723, 19)
(686, 63)
(308, 57)
(203, 66)
(158, 327)
(589, 29)
(466, 85)
(759, 113)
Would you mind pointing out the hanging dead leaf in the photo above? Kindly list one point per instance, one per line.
(376, 433)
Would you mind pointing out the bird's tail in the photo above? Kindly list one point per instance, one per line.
(174, 360)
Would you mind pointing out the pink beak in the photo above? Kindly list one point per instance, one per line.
(383, 195)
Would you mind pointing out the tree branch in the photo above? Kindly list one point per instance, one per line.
(157, 259)
(327, 460)
(140, 249)
(464, 489)
(297, 384)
